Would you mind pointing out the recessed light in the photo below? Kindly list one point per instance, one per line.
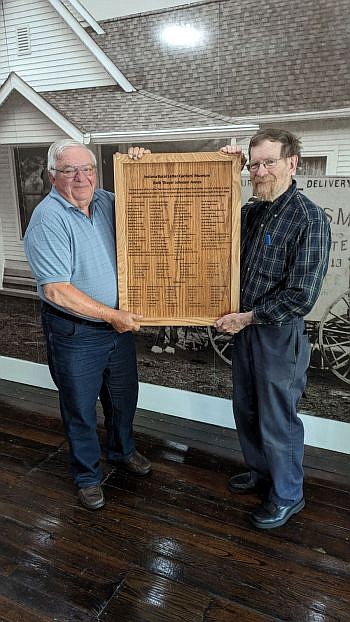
(182, 35)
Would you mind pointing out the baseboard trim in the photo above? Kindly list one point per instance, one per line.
(319, 432)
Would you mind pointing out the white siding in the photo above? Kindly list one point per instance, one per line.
(57, 60)
(329, 138)
(4, 64)
(22, 123)
(343, 168)
(2, 256)
(334, 143)
(13, 246)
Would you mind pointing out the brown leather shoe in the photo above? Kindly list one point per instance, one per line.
(137, 464)
(91, 497)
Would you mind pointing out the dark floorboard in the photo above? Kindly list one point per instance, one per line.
(175, 546)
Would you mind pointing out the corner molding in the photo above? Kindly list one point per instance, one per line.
(15, 83)
(87, 17)
(90, 44)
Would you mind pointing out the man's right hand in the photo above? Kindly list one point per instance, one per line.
(136, 153)
(235, 149)
(122, 321)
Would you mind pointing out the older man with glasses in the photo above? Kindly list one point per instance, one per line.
(71, 248)
(284, 258)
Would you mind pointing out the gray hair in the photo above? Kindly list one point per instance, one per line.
(58, 147)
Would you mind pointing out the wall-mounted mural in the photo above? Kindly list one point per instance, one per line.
(173, 96)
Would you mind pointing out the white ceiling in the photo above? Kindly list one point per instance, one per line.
(105, 9)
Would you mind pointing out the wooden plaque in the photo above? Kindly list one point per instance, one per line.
(178, 236)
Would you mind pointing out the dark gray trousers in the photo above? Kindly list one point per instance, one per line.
(269, 366)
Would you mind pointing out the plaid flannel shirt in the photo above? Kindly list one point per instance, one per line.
(284, 257)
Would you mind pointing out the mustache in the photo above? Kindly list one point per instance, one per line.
(264, 180)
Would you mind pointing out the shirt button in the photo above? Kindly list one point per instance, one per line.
(261, 225)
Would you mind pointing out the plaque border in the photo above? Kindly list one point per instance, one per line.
(122, 160)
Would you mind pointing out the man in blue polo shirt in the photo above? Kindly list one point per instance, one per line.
(71, 249)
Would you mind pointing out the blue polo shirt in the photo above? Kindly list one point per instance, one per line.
(64, 245)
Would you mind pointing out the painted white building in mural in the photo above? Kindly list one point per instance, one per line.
(228, 71)
(185, 78)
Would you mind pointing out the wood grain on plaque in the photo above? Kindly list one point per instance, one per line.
(178, 230)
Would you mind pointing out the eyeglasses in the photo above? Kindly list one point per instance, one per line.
(71, 171)
(269, 163)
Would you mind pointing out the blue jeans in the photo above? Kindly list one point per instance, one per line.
(269, 366)
(87, 361)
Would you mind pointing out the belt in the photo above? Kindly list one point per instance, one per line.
(46, 308)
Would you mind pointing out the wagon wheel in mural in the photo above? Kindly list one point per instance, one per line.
(334, 337)
(222, 344)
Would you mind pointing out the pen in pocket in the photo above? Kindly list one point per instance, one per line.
(267, 239)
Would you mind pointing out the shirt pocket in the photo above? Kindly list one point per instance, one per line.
(273, 264)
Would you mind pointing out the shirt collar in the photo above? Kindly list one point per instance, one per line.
(282, 200)
(58, 197)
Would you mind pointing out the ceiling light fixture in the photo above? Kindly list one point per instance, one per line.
(182, 35)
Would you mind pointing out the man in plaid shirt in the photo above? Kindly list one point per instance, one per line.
(284, 258)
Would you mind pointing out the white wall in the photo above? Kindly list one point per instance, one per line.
(57, 56)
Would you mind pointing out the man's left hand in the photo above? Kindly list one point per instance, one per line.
(136, 153)
(233, 322)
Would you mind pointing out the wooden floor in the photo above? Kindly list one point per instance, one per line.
(175, 547)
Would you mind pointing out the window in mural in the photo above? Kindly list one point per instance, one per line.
(32, 180)
(313, 166)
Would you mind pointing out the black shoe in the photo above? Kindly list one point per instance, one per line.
(269, 515)
(91, 497)
(242, 483)
(137, 464)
